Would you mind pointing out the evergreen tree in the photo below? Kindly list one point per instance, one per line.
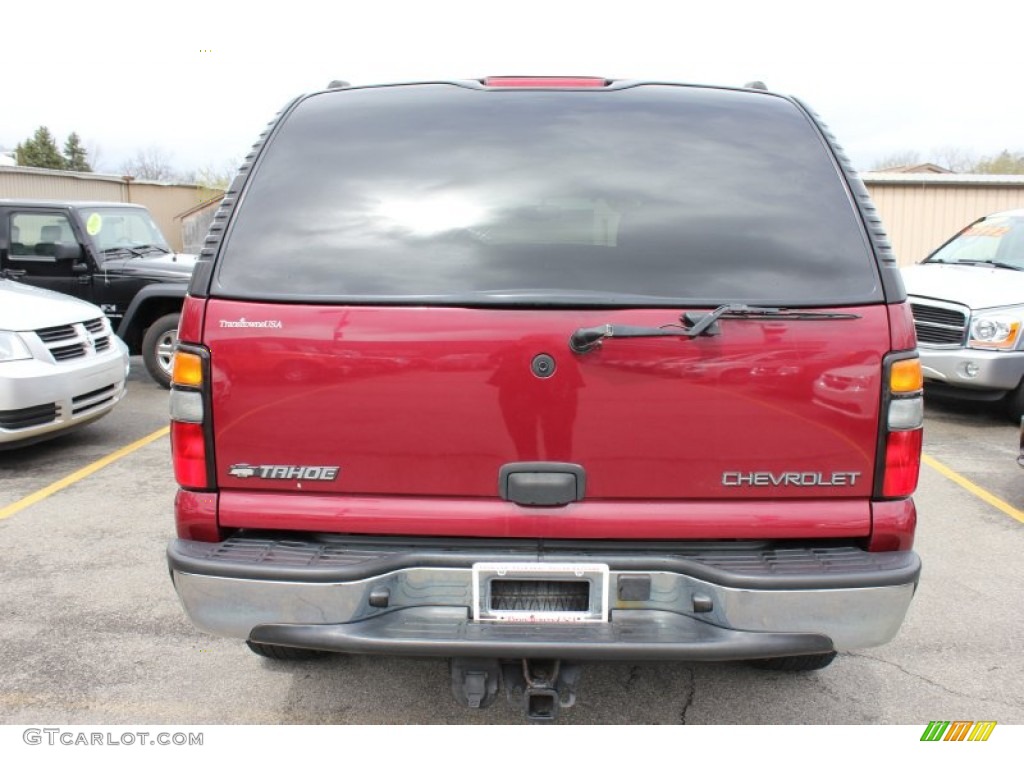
(40, 151)
(75, 155)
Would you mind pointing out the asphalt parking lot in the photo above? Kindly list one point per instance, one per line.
(93, 632)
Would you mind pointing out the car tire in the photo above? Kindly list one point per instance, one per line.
(806, 663)
(284, 653)
(1013, 403)
(158, 348)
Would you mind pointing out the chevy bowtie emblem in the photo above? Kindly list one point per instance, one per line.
(283, 472)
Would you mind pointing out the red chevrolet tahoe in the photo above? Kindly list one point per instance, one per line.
(525, 372)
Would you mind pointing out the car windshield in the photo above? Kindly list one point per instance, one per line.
(647, 195)
(114, 230)
(995, 240)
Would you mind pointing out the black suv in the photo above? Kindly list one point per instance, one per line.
(111, 254)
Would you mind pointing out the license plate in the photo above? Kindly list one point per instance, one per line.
(540, 593)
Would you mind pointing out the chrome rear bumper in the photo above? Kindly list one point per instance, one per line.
(419, 600)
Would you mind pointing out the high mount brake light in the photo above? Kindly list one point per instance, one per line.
(545, 82)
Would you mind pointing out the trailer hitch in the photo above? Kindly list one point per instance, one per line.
(541, 687)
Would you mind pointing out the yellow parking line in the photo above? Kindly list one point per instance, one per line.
(81, 474)
(981, 493)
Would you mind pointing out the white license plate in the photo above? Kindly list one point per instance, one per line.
(540, 593)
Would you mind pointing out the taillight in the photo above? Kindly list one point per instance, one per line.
(190, 435)
(188, 449)
(902, 433)
(902, 463)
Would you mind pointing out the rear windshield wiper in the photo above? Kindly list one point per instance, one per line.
(693, 324)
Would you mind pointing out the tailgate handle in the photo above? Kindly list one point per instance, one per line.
(541, 483)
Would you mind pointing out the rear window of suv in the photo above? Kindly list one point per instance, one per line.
(644, 195)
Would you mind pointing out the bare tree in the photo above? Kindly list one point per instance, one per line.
(956, 159)
(150, 164)
(897, 160)
(215, 176)
(95, 158)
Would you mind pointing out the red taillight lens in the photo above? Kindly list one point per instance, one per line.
(902, 463)
(188, 447)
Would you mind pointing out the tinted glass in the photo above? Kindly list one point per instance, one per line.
(643, 195)
(34, 235)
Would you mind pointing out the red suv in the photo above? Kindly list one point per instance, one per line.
(525, 372)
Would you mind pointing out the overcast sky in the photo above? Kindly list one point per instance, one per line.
(200, 80)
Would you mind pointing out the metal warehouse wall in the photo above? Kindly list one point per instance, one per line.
(922, 211)
(166, 202)
(42, 184)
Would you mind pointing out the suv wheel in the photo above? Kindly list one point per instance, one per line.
(158, 348)
(1014, 403)
(283, 652)
(806, 663)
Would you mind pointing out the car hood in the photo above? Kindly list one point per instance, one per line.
(976, 287)
(27, 308)
(166, 266)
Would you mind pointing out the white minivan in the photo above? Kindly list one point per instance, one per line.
(61, 365)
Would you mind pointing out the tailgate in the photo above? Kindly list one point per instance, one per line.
(414, 402)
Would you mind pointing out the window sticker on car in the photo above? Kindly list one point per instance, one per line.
(987, 230)
(94, 224)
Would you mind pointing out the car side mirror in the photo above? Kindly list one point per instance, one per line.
(67, 251)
